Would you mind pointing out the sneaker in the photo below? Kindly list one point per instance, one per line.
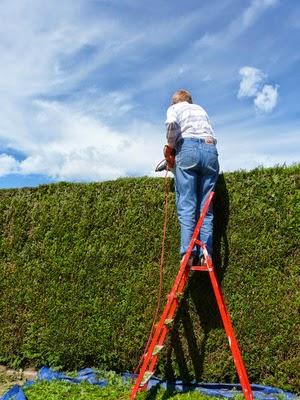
(190, 261)
(202, 261)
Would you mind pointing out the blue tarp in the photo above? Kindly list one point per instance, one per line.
(211, 389)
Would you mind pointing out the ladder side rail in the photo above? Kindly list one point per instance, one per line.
(172, 295)
(203, 213)
(173, 308)
(146, 365)
(172, 302)
(237, 357)
(166, 312)
(194, 239)
(195, 235)
(161, 329)
(178, 285)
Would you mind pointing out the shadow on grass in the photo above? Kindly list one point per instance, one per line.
(152, 394)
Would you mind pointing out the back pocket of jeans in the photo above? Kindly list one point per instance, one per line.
(187, 158)
(210, 148)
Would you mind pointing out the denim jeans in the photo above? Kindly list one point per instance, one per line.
(196, 173)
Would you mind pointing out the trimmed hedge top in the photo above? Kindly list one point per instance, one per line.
(80, 270)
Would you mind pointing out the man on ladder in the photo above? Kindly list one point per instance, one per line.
(190, 138)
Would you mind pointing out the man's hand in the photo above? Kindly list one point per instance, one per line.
(169, 154)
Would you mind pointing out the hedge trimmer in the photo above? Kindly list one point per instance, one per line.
(168, 162)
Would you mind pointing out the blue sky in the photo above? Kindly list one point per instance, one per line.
(85, 84)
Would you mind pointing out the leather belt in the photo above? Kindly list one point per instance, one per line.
(207, 140)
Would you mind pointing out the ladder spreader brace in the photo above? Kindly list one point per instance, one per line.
(161, 329)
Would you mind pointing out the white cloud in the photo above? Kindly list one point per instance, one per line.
(52, 49)
(8, 164)
(71, 138)
(77, 165)
(252, 79)
(247, 146)
(237, 26)
(67, 144)
(76, 136)
(87, 132)
(252, 85)
(266, 99)
(256, 8)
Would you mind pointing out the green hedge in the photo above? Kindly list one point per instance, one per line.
(80, 270)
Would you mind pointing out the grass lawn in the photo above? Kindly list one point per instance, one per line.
(115, 390)
(61, 390)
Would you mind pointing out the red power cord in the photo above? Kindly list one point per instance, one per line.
(161, 270)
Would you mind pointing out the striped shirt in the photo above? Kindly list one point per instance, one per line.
(185, 120)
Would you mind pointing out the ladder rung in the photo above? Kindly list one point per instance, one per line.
(171, 296)
(157, 349)
(200, 268)
(146, 377)
(168, 321)
(179, 295)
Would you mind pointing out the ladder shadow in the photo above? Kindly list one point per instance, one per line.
(184, 345)
(221, 219)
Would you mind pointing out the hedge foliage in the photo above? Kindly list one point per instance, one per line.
(79, 277)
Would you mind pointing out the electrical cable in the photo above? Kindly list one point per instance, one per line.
(161, 269)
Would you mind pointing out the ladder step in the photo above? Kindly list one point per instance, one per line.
(200, 268)
(157, 349)
(179, 295)
(146, 377)
(168, 322)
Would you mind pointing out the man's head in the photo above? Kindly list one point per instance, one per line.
(182, 95)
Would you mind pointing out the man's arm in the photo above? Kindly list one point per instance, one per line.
(172, 126)
(172, 134)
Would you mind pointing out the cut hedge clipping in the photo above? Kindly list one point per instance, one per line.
(79, 277)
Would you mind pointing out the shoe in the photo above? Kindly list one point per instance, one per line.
(190, 261)
(202, 261)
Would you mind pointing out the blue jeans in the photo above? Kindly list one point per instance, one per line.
(196, 173)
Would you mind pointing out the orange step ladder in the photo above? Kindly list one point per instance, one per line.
(156, 344)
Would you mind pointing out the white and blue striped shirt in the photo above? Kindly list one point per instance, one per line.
(185, 120)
